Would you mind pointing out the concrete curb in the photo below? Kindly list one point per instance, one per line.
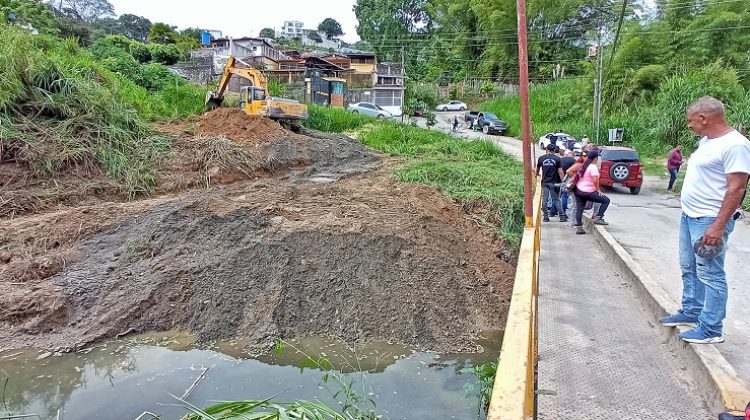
(719, 383)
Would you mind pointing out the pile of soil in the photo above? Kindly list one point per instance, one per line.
(364, 258)
(291, 235)
(260, 147)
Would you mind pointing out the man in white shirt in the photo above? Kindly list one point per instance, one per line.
(714, 185)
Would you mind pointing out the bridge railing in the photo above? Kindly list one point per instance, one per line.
(514, 393)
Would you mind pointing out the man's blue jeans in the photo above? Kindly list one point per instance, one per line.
(704, 282)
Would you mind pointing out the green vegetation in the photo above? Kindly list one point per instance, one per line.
(62, 109)
(334, 120)
(485, 373)
(653, 126)
(477, 173)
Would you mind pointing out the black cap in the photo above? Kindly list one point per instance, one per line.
(593, 154)
(551, 147)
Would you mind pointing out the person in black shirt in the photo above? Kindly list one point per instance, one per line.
(548, 166)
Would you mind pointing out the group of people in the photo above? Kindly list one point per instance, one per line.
(564, 173)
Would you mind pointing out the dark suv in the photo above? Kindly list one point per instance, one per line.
(620, 167)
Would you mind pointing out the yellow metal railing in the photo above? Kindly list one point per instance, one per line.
(513, 393)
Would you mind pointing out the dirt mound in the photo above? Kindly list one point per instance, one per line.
(219, 147)
(238, 126)
(363, 258)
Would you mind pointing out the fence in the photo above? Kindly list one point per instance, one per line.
(471, 88)
(513, 393)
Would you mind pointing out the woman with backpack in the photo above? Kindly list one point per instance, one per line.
(585, 184)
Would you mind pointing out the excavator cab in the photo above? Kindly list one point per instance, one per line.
(253, 100)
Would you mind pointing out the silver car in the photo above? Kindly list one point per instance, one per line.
(369, 109)
(452, 106)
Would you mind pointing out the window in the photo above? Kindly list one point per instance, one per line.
(620, 155)
(366, 105)
(259, 94)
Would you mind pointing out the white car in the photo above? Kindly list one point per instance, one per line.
(562, 140)
(452, 106)
(369, 109)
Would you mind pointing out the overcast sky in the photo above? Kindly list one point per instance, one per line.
(242, 17)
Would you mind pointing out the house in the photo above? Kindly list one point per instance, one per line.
(381, 84)
(254, 51)
(290, 29)
(323, 81)
(389, 87)
(338, 59)
(295, 29)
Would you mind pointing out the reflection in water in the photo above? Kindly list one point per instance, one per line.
(122, 379)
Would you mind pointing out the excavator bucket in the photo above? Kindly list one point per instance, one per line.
(213, 101)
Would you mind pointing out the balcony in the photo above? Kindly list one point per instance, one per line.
(390, 71)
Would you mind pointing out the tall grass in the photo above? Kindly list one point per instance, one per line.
(60, 109)
(477, 173)
(334, 120)
(653, 125)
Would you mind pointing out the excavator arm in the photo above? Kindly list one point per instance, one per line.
(256, 78)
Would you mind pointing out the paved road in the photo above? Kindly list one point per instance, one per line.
(647, 226)
(600, 355)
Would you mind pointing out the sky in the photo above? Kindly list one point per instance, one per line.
(238, 18)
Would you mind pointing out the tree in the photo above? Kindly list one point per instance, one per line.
(107, 26)
(165, 54)
(194, 33)
(331, 28)
(161, 33)
(315, 36)
(267, 33)
(76, 29)
(86, 10)
(135, 27)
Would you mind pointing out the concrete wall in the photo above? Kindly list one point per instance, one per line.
(199, 71)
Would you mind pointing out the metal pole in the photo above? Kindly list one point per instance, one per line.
(599, 88)
(523, 70)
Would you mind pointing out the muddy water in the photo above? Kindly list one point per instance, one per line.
(123, 379)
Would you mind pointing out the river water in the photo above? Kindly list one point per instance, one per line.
(125, 378)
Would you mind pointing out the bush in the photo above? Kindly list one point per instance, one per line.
(666, 114)
(124, 64)
(140, 52)
(165, 54)
(157, 77)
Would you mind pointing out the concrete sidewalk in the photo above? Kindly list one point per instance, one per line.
(600, 355)
(647, 227)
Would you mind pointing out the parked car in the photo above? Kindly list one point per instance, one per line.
(452, 106)
(489, 123)
(620, 167)
(562, 141)
(471, 116)
(369, 109)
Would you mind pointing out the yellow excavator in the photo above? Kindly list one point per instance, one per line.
(254, 99)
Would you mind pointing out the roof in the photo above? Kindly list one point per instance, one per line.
(629, 149)
(245, 38)
(350, 55)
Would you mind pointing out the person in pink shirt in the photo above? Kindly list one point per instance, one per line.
(673, 165)
(587, 189)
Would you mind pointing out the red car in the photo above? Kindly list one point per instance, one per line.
(620, 167)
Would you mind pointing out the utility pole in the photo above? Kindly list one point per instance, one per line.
(596, 117)
(523, 72)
